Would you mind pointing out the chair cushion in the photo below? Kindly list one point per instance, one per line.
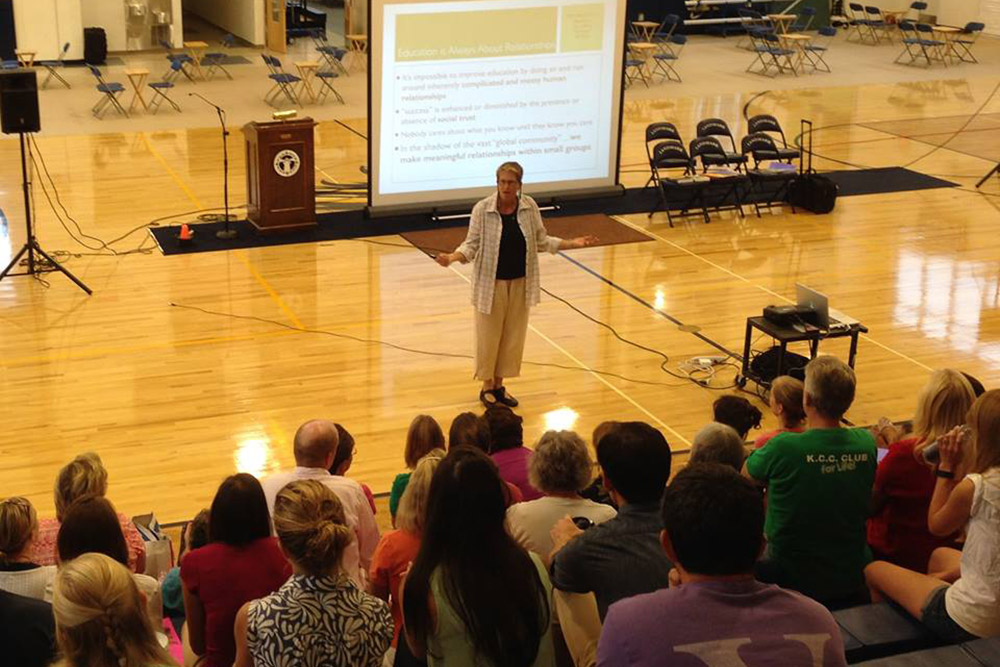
(326, 75)
(882, 630)
(665, 56)
(160, 85)
(787, 153)
(986, 651)
(283, 77)
(112, 87)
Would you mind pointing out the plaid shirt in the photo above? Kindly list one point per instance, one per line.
(482, 248)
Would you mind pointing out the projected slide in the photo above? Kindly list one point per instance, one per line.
(467, 85)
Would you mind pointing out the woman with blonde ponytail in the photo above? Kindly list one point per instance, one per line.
(99, 617)
(334, 622)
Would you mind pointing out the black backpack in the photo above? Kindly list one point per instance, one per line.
(809, 190)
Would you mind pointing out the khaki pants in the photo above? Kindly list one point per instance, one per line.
(500, 335)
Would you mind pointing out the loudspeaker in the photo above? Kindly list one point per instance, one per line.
(19, 102)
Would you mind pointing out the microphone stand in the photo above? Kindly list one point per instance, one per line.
(224, 233)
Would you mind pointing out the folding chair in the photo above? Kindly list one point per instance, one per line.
(878, 23)
(325, 79)
(752, 20)
(667, 157)
(761, 147)
(916, 8)
(659, 132)
(52, 65)
(963, 44)
(772, 55)
(283, 82)
(662, 36)
(160, 96)
(663, 61)
(860, 25)
(635, 68)
(716, 127)
(216, 61)
(722, 193)
(332, 56)
(804, 20)
(760, 49)
(184, 59)
(110, 90)
(912, 46)
(767, 124)
(815, 49)
(175, 70)
(934, 49)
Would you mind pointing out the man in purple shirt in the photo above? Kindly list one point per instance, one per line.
(715, 614)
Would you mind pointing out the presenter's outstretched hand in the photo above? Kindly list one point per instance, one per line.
(583, 241)
(444, 259)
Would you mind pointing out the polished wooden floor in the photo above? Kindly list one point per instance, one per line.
(181, 370)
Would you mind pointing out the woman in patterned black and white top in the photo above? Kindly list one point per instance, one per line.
(319, 616)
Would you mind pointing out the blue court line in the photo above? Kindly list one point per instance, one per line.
(639, 299)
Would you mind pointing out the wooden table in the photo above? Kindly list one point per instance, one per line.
(25, 58)
(137, 77)
(949, 35)
(644, 30)
(307, 70)
(782, 21)
(644, 51)
(197, 51)
(357, 47)
(798, 41)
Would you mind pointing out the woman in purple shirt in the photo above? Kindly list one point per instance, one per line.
(508, 451)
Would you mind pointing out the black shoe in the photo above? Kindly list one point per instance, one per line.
(488, 398)
(501, 395)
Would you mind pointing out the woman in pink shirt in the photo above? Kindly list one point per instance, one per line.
(508, 451)
(786, 404)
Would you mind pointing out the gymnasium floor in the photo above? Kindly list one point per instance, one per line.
(180, 370)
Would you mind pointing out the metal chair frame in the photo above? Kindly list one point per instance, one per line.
(716, 127)
(283, 81)
(52, 65)
(768, 124)
(663, 61)
(110, 91)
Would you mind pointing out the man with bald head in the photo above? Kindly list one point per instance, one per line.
(315, 447)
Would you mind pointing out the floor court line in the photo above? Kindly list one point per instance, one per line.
(759, 286)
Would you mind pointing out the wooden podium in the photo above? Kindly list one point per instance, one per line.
(281, 178)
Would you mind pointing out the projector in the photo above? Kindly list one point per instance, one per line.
(786, 316)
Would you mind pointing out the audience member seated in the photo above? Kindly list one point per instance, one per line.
(98, 611)
(819, 485)
(471, 430)
(596, 490)
(715, 612)
(90, 525)
(966, 495)
(560, 468)
(904, 482)
(319, 616)
(194, 536)
(737, 412)
(718, 443)
(621, 557)
(242, 562)
(786, 404)
(315, 446)
(85, 475)
(397, 548)
(18, 527)
(27, 631)
(345, 457)
(423, 436)
(473, 595)
(508, 451)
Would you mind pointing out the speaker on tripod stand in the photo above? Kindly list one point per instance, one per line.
(19, 115)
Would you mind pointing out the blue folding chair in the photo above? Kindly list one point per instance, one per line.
(160, 96)
(283, 82)
(333, 56)
(110, 90)
(860, 25)
(817, 48)
(326, 78)
(215, 61)
(663, 62)
(52, 65)
(933, 48)
(803, 20)
(174, 57)
(963, 43)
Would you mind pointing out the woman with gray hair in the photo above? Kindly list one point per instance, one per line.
(560, 468)
(718, 443)
(505, 236)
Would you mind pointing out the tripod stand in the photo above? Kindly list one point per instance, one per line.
(225, 232)
(995, 171)
(31, 246)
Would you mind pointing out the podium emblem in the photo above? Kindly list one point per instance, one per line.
(287, 163)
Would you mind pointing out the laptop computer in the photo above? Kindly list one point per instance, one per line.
(820, 305)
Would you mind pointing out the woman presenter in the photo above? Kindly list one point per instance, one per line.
(505, 236)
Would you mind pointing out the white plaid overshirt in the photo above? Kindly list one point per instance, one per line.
(482, 248)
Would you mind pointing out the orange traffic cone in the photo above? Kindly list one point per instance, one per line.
(186, 233)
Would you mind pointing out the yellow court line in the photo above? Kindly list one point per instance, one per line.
(292, 317)
(757, 285)
(598, 377)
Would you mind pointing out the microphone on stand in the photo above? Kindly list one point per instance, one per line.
(225, 232)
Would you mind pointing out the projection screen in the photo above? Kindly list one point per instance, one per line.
(459, 86)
